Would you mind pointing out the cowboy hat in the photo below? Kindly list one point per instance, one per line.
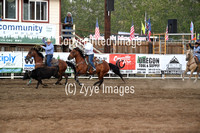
(48, 40)
(198, 43)
(86, 40)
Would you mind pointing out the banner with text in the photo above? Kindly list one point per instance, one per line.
(11, 62)
(14, 62)
(148, 64)
(26, 33)
(28, 64)
(126, 62)
(173, 64)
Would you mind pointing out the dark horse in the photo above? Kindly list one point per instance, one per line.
(102, 67)
(38, 58)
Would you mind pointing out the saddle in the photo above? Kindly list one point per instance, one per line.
(98, 61)
(54, 61)
(95, 60)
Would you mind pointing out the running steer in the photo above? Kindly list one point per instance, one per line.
(41, 73)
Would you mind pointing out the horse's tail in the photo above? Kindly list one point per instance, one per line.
(116, 70)
(72, 66)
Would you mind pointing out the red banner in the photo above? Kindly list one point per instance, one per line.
(123, 61)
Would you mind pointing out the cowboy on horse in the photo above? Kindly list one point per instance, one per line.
(102, 67)
(196, 51)
(49, 49)
(193, 59)
(38, 59)
(88, 49)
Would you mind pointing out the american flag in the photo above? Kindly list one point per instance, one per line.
(149, 28)
(166, 34)
(132, 32)
(97, 32)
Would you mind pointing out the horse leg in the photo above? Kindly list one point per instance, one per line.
(76, 79)
(59, 79)
(196, 77)
(100, 75)
(183, 75)
(66, 77)
(101, 81)
(191, 74)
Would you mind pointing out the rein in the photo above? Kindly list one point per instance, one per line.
(190, 64)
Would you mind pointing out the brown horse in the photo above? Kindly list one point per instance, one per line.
(102, 67)
(191, 65)
(38, 58)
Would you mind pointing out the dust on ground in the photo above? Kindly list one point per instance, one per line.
(155, 106)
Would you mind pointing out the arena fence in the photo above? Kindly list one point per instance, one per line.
(13, 64)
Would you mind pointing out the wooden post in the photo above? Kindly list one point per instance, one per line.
(159, 45)
(183, 44)
(107, 18)
(153, 45)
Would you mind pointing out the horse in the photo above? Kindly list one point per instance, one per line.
(102, 67)
(191, 65)
(38, 58)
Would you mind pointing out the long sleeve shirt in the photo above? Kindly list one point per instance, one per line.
(196, 50)
(49, 49)
(68, 19)
(88, 48)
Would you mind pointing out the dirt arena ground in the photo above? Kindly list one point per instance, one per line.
(155, 106)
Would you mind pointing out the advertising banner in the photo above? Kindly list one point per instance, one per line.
(10, 62)
(126, 62)
(173, 64)
(14, 62)
(28, 33)
(28, 65)
(148, 64)
(102, 57)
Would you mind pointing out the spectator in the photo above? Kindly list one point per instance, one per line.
(68, 22)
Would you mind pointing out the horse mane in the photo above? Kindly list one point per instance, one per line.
(190, 50)
(38, 52)
(80, 51)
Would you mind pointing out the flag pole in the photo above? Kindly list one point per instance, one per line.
(145, 22)
(141, 28)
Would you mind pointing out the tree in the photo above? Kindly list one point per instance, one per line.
(85, 13)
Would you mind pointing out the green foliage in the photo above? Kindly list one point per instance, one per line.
(159, 11)
(25, 39)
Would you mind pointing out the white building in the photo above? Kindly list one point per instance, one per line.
(25, 22)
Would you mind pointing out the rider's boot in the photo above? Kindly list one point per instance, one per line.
(88, 69)
(94, 70)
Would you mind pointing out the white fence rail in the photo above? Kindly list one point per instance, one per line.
(131, 65)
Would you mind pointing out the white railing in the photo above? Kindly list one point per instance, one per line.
(79, 43)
